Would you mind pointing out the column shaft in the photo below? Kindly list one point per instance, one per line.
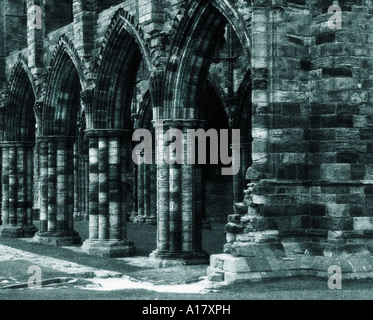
(103, 207)
(140, 191)
(20, 201)
(61, 177)
(163, 194)
(12, 186)
(93, 188)
(114, 190)
(106, 217)
(179, 206)
(17, 163)
(56, 192)
(5, 178)
(43, 147)
(52, 184)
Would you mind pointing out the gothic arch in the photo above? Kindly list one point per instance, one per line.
(124, 20)
(232, 15)
(18, 118)
(121, 54)
(198, 35)
(62, 99)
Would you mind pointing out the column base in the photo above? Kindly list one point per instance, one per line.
(67, 238)
(167, 259)
(109, 248)
(11, 232)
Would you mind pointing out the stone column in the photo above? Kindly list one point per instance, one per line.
(56, 192)
(140, 191)
(107, 236)
(36, 183)
(179, 235)
(77, 185)
(146, 190)
(152, 189)
(17, 162)
(85, 178)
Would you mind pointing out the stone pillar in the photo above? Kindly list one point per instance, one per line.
(125, 151)
(17, 162)
(36, 182)
(85, 182)
(146, 190)
(179, 237)
(107, 236)
(77, 185)
(56, 192)
(80, 186)
(140, 191)
(152, 189)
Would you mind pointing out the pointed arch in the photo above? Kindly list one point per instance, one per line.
(18, 118)
(192, 50)
(198, 35)
(65, 83)
(121, 54)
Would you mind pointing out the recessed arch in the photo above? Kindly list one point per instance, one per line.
(62, 100)
(19, 119)
(120, 59)
(237, 22)
(199, 34)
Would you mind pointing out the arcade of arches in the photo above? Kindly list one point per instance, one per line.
(75, 90)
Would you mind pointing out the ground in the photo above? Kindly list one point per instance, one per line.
(71, 275)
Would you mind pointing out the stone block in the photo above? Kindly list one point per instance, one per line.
(337, 210)
(362, 223)
(231, 277)
(234, 218)
(231, 237)
(335, 171)
(236, 265)
(214, 274)
(234, 227)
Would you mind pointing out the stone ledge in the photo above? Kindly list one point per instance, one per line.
(224, 267)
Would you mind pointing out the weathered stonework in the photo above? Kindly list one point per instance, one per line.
(73, 92)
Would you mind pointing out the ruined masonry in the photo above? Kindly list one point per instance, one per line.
(78, 77)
